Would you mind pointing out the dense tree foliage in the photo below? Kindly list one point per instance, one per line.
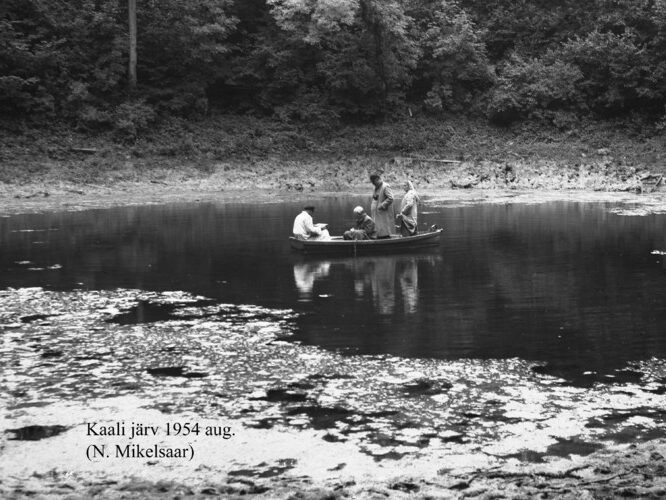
(327, 60)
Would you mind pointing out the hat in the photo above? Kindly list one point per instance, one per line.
(308, 207)
(359, 210)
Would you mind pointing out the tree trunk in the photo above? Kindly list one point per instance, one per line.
(132, 43)
(370, 16)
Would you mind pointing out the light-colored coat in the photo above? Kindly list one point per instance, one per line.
(305, 229)
(409, 212)
(382, 210)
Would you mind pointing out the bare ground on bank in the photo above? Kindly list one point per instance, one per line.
(223, 156)
(76, 182)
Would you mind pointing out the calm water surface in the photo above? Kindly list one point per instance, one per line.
(570, 285)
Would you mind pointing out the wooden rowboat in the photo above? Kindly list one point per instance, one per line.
(337, 245)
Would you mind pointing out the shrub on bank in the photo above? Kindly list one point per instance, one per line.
(534, 89)
(131, 118)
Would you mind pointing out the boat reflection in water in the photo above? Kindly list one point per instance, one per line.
(389, 282)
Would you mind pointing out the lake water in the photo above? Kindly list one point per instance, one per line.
(571, 286)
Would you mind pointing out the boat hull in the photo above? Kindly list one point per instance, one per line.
(337, 245)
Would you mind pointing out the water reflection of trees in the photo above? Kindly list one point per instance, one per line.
(564, 282)
(231, 251)
(558, 280)
(191, 247)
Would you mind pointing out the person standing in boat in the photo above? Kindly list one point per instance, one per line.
(306, 229)
(408, 210)
(381, 209)
(365, 227)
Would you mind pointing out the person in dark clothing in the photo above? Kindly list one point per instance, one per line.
(365, 227)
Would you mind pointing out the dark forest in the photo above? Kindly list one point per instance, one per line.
(332, 61)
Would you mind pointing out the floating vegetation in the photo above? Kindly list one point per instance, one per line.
(175, 371)
(627, 204)
(49, 268)
(640, 211)
(180, 353)
(35, 432)
(425, 387)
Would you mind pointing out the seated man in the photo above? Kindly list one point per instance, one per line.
(365, 227)
(305, 229)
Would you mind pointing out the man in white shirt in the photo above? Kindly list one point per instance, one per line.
(305, 229)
